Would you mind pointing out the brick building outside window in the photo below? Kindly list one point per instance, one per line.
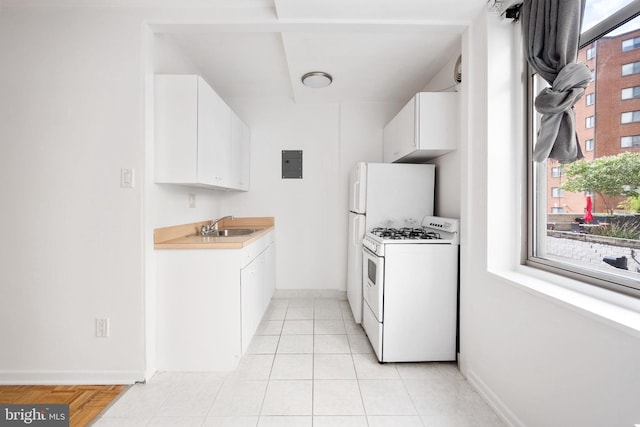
(608, 120)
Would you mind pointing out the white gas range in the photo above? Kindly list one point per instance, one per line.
(410, 289)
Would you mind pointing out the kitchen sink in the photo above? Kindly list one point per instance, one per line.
(229, 232)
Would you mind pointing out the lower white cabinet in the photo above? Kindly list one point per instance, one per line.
(257, 284)
(210, 303)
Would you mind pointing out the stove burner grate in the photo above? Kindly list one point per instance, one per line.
(405, 233)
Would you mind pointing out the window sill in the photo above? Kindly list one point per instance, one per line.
(618, 310)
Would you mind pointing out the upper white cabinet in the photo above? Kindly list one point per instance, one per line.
(427, 127)
(195, 142)
(214, 137)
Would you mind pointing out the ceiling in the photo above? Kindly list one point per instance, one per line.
(375, 50)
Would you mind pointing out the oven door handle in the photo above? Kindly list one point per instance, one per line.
(368, 252)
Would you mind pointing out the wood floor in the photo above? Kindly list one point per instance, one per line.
(85, 402)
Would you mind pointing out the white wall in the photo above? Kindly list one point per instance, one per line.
(311, 213)
(73, 113)
(71, 101)
(540, 360)
(448, 194)
(301, 207)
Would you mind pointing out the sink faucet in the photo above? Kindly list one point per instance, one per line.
(206, 229)
(214, 223)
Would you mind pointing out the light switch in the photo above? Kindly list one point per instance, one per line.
(192, 200)
(126, 178)
(102, 328)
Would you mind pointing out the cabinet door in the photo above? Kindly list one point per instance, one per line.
(268, 277)
(250, 301)
(400, 134)
(240, 148)
(257, 284)
(425, 128)
(438, 120)
(198, 310)
(175, 128)
(214, 137)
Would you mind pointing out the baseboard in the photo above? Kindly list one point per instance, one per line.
(70, 377)
(310, 293)
(492, 399)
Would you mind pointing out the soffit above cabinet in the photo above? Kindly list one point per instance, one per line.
(368, 63)
(376, 50)
(200, 4)
(437, 11)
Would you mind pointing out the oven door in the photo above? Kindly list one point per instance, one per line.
(373, 282)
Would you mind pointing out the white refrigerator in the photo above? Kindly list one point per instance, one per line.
(383, 195)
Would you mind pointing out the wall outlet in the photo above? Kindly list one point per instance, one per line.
(102, 328)
(192, 200)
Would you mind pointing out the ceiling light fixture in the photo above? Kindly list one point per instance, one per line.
(317, 79)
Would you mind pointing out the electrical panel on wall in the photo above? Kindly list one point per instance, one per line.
(292, 164)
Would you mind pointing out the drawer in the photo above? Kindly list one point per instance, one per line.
(251, 251)
(373, 328)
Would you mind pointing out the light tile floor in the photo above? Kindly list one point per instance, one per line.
(309, 365)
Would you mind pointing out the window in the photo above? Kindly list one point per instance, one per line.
(590, 99)
(632, 68)
(631, 92)
(630, 117)
(630, 141)
(630, 44)
(589, 145)
(554, 188)
(590, 122)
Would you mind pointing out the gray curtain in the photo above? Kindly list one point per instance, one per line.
(551, 32)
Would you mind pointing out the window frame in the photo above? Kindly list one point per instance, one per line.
(590, 99)
(589, 144)
(635, 93)
(635, 44)
(635, 68)
(590, 121)
(634, 117)
(557, 192)
(619, 283)
(633, 139)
